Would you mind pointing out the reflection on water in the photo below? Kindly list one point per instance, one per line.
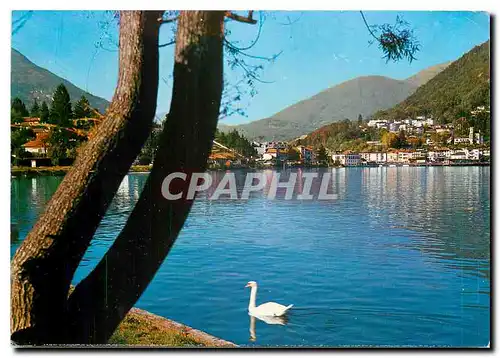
(283, 320)
(402, 257)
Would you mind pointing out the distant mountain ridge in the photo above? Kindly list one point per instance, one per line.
(29, 81)
(427, 74)
(362, 95)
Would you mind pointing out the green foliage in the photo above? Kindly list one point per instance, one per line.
(44, 113)
(82, 108)
(293, 154)
(18, 111)
(20, 107)
(35, 109)
(453, 93)
(19, 136)
(340, 136)
(62, 143)
(148, 151)
(396, 41)
(60, 110)
(237, 142)
(393, 140)
(321, 155)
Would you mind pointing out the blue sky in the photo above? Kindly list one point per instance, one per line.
(319, 50)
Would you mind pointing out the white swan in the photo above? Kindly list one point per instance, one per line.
(269, 309)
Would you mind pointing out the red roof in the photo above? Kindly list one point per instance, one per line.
(38, 142)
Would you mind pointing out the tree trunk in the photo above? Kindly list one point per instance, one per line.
(43, 266)
(100, 301)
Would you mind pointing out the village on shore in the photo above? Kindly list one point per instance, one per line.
(439, 146)
(43, 138)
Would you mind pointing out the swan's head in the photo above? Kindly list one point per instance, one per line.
(251, 284)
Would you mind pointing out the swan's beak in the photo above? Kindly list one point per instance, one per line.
(247, 285)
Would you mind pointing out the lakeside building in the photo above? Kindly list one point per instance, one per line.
(306, 154)
(374, 157)
(274, 153)
(347, 158)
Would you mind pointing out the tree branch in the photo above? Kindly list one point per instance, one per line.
(239, 18)
(368, 26)
(162, 21)
(167, 44)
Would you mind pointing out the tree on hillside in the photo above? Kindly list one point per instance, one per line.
(60, 110)
(19, 136)
(43, 266)
(18, 111)
(35, 109)
(415, 142)
(82, 108)
(19, 107)
(44, 113)
(389, 140)
(237, 142)
(401, 139)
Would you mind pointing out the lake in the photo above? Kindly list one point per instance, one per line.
(400, 258)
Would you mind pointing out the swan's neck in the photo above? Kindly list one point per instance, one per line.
(253, 297)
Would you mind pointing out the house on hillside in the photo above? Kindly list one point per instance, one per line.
(30, 121)
(37, 146)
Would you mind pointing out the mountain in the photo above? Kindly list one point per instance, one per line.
(460, 88)
(361, 95)
(29, 81)
(425, 75)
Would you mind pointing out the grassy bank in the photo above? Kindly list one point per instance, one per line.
(60, 170)
(143, 329)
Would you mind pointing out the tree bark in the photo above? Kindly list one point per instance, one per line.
(43, 266)
(100, 301)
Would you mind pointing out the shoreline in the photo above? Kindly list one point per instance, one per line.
(145, 169)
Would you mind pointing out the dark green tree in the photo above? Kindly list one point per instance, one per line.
(321, 155)
(18, 111)
(82, 108)
(35, 109)
(237, 142)
(44, 113)
(60, 110)
(59, 143)
(19, 106)
(19, 136)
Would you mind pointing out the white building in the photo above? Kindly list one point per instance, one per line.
(377, 157)
(474, 154)
(462, 140)
(462, 154)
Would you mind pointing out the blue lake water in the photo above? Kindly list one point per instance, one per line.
(400, 258)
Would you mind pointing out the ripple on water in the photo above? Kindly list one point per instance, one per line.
(401, 258)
